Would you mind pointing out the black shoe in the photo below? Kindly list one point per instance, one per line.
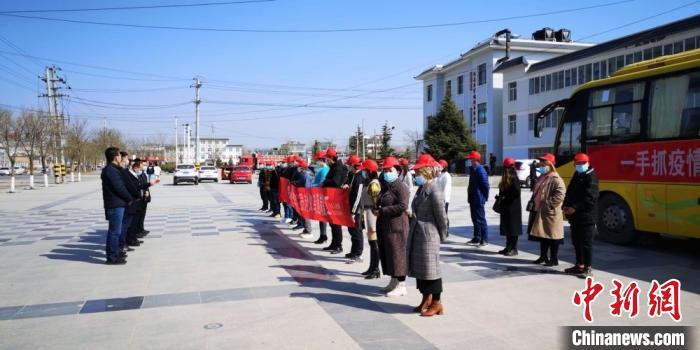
(297, 227)
(369, 270)
(372, 275)
(140, 235)
(262, 209)
(337, 250)
(321, 240)
(585, 272)
(272, 215)
(483, 244)
(512, 252)
(552, 263)
(503, 251)
(305, 231)
(574, 270)
(129, 249)
(122, 254)
(134, 243)
(329, 248)
(350, 255)
(119, 261)
(474, 241)
(541, 260)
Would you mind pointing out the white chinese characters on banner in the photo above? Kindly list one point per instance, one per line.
(660, 162)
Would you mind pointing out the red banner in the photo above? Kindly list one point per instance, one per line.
(320, 204)
(669, 161)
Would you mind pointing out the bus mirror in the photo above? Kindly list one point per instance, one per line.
(546, 110)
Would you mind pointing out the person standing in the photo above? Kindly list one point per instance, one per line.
(428, 229)
(392, 228)
(581, 208)
(115, 198)
(511, 224)
(337, 174)
(370, 201)
(264, 184)
(546, 223)
(444, 183)
(533, 175)
(132, 183)
(478, 193)
(492, 164)
(274, 192)
(406, 177)
(355, 184)
(151, 171)
(320, 173)
(303, 179)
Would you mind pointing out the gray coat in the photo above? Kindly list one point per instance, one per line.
(428, 229)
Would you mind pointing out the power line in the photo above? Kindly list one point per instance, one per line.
(149, 7)
(310, 105)
(329, 30)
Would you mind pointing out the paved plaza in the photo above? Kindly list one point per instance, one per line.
(214, 273)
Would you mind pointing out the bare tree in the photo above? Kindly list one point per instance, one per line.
(412, 137)
(11, 137)
(76, 142)
(35, 127)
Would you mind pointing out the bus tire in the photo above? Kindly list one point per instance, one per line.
(615, 221)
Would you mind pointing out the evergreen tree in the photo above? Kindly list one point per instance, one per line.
(355, 142)
(447, 135)
(386, 149)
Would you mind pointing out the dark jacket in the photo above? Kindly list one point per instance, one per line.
(478, 189)
(392, 228)
(356, 185)
(337, 174)
(135, 188)
(582, 195)
(274, 181)
(145, 185)
(114, 194)
(511, 209)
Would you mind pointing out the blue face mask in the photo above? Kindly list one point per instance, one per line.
(363, 174)
(543, 170)
(390, 177)
(420, 180)
(581, 168)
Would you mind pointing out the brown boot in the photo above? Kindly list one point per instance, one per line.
(435, 308)
(424, 304)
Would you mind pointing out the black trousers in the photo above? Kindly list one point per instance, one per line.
(582, 237)
(551, 246)
(336, 236)
(142, 218)
(447, 205)
(429, 286)
(274, 202)
(356, 236)
(263, 196)
(134, 230)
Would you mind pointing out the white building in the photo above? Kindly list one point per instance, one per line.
(532, 84)
(476, 91)
(210, 149)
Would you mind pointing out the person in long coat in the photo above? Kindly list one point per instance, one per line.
(392, 228)
(428, 230)
(546, 223)
(510, 207)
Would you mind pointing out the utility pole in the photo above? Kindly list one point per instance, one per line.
(186, 143)
(57, 119)
(363, 140)
(176, 141)
(197, 85)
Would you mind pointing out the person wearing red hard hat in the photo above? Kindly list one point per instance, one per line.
(407, 178)
(509, 207)
(321, 170)
(477, 194)
(581, 208)
(337, 174)
(302, 179)
(546, 222)
(287, 170)
(369, 199)
(444, 182)
(392, 228)
(355, 184)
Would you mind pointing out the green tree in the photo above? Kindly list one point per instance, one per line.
(317, 146)
(355, 142)
(386, 149)
(447, 135)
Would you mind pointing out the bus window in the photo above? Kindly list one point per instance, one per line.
(675, 107)
(569, 140)
(615, 111)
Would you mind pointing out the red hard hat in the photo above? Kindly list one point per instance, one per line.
(548, 157)
(443, 163)
(424, 158)
(473, 155)
(389, 162)
(352, 160)
(581, 158)
(420, 165)
(509, 162)
(370, 165)
(302, 163)
(293, 158)
(403, 161)
(320, 155)
(330, 152)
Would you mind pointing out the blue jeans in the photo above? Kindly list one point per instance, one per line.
(481, 229)
(115, 217)
(288, 211)
(128, 219)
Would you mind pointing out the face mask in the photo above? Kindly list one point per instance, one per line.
(543, 170)
(390, 177)
(581, 168)
(469, 163)
(283, 165)
(420, 180)
(363, 174)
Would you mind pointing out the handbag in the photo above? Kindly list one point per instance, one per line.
(497, 205)
(530, 205)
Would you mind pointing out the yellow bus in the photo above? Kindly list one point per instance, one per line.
(641, 129)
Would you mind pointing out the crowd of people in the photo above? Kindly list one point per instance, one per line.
(403, 211)
(125, 194)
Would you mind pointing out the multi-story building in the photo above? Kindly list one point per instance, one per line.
(210, 149)
(477, 91)
(293, 147)
(531, 85)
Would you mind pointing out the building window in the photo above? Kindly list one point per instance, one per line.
(512, 91)
(567, 78)
(460, 84)
(481, 113)
(574, 81)
(512, 126)
(689, 44)
(638, 56)
(429, 93)
(461, 114)
(589, 72)
(629, 59)
(539, 85)
(668, 49)
(448, 87)
(603, 69)
(531, 86)
(548, 82)
(533, 153)
(621, 60)
(482, 74)
(678, 47)
(657, 51)
(596, 71)
(531, 122)
(560, 79)
(581, 75)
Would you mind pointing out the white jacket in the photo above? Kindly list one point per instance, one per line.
(444, 182)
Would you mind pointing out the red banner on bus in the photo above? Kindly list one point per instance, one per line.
(668, 161)
(320, 204)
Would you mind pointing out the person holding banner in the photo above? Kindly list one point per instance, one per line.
(392, 228)
(369, 201)
(303, 179)
(355, 184)
(320, 173)
(428, 230)
(337, 174)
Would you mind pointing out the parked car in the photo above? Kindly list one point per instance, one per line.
(241, 174)
(185, 173)
(522, 168)
(209, 173)
(4, 171)
(19, 170)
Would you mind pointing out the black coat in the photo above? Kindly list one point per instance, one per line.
(274, 181)
(392, 228)
(145, 185)
(356, 184)
(511, 210)
(337, 174)
(114, 194)
(134, 186)
(582, 195)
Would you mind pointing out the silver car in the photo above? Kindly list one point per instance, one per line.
(185, 173)
(209, 173)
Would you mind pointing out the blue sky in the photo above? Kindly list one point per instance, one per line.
(261, 69)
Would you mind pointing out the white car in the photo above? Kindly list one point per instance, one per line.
(209, 173)
(522, 168)
(4, 171)
(185, 173)
(19, 170)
